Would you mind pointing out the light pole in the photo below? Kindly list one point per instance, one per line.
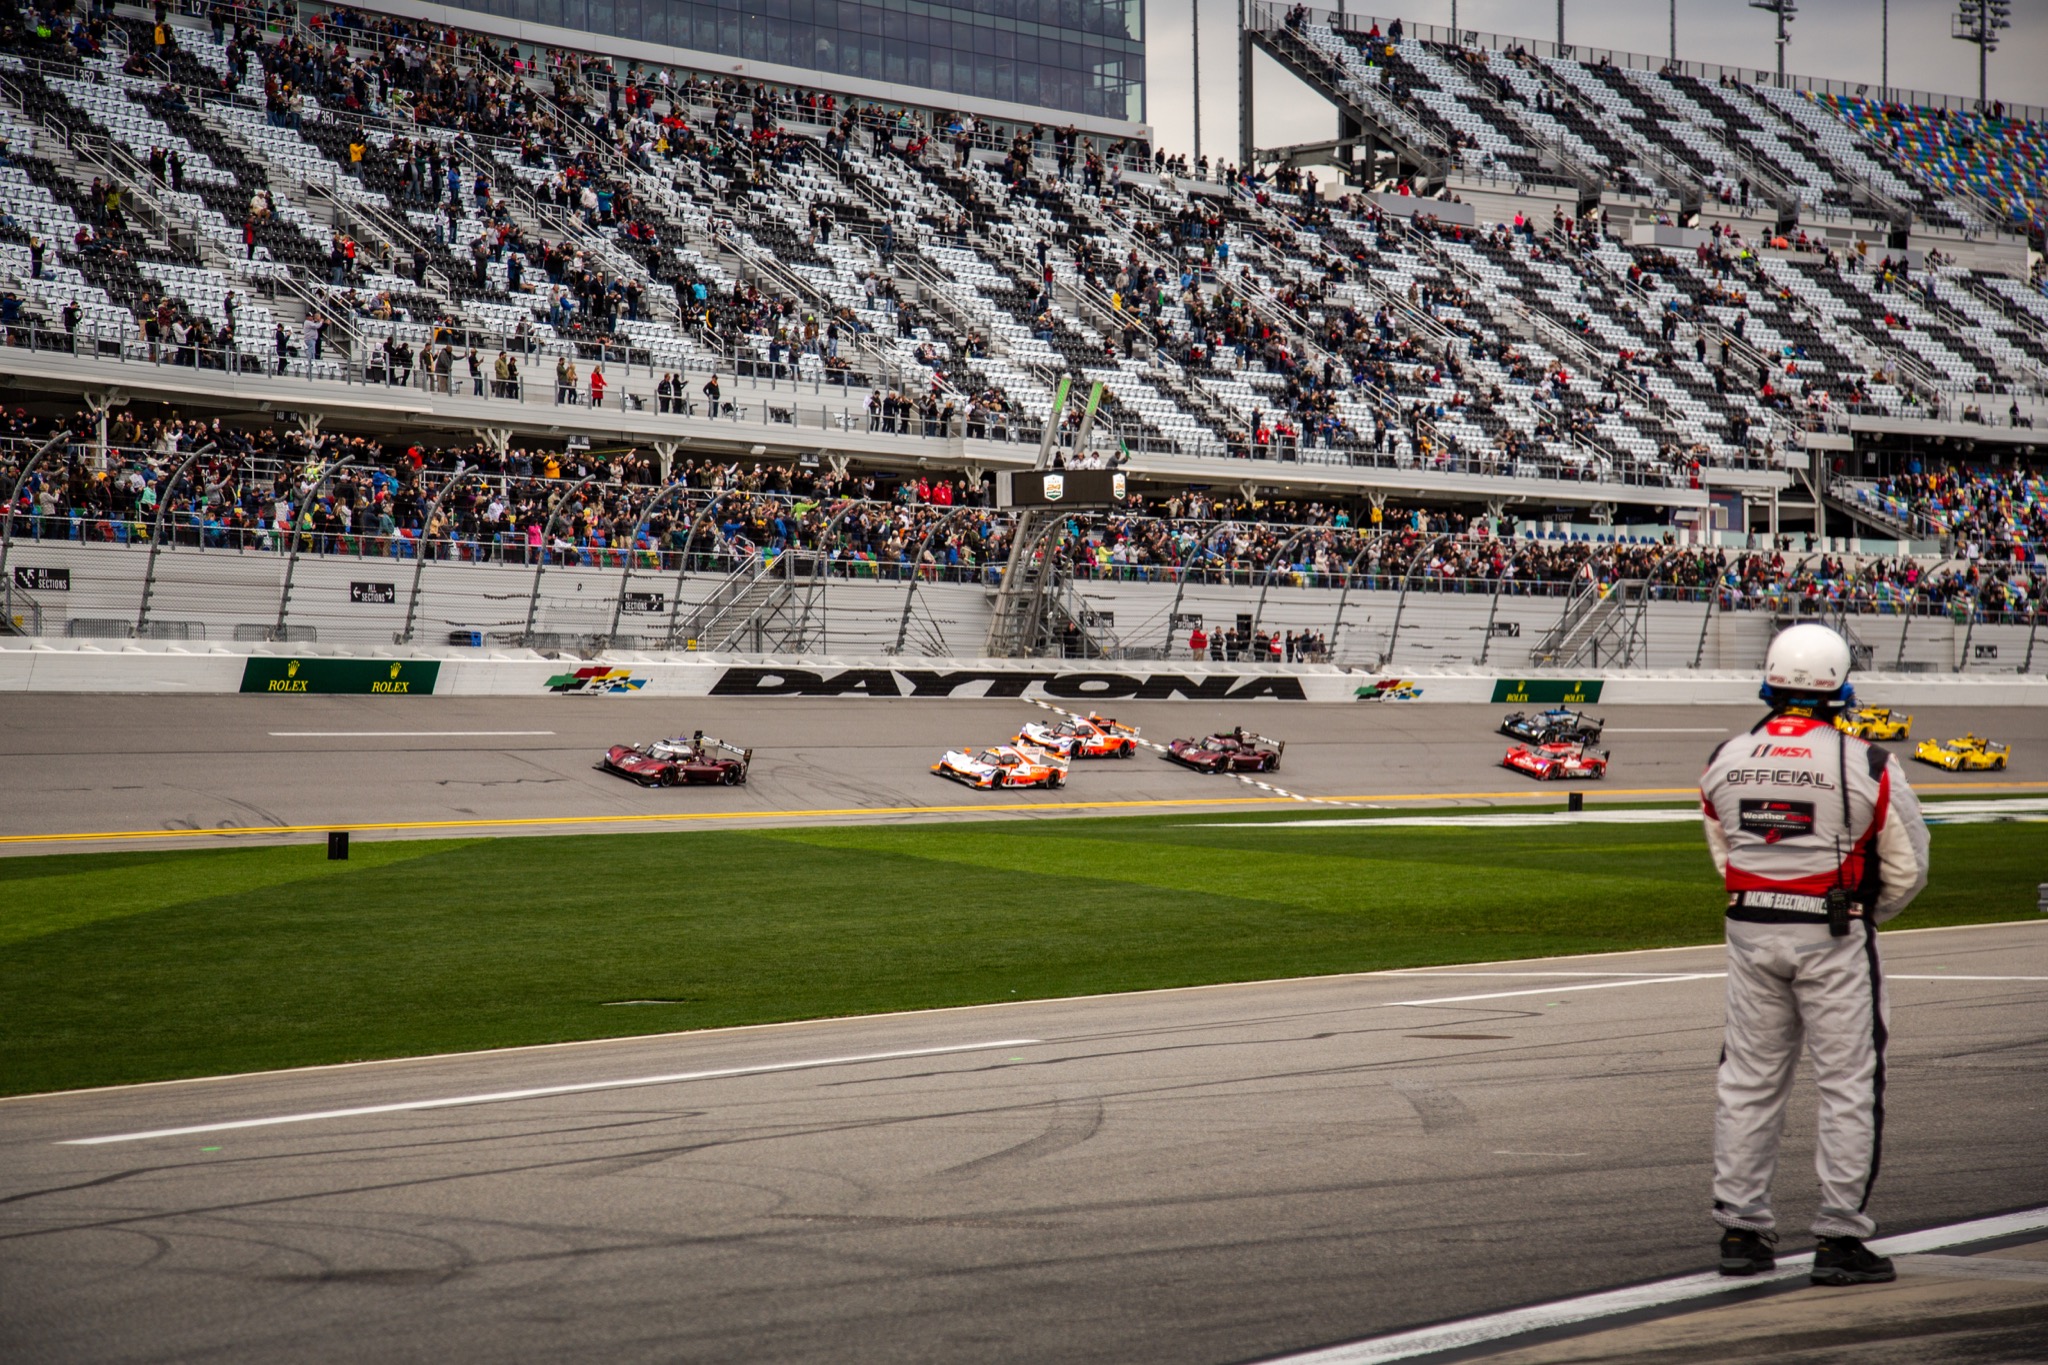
(1884, 53)
(1674, 32)
(1978, 21)
(1196, 31)
(1786, 11)
(1560, 26)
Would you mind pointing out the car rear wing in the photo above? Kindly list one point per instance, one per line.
(1278, 746)
(718, 748)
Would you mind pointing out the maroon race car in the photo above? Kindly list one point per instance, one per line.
(1558, 762)
(682, 760)
(1235, 751)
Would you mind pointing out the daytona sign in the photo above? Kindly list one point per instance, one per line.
(1006, 683)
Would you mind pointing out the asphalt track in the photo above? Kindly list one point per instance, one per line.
(94, 771)
(1215, 1174)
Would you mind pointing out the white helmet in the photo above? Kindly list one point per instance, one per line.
(1807, 661)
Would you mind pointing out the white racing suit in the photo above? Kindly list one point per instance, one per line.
(1794, 809)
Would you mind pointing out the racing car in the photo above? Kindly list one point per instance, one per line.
(1003, 765)
(1875, 722)
(1562, 761)
(1968, 754)
(1235, 751)
(1559, 725)
(683, 760)
(1095, 737)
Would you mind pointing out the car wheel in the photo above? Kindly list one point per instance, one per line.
(1056, 780)
(732, 777)
(668, 777)
(2000, 765)
(1128, 750)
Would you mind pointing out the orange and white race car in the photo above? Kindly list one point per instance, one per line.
(1003, 765)
(1095, 737)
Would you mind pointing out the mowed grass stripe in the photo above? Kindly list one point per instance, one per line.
(137, 966)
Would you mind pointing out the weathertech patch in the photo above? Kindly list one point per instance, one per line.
(1776, 820)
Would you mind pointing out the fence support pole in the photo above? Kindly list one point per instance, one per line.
(1492, 610)
(547, 544)
(1970, 629)
(675, 604)
(1202, 552)
(1344, 593)
(1401, 604)
(611, 639)
(1259, 609)
(156, 536)
(821, 576)
(7, 516)
(291, 563)
(916, 562)
(419, 553)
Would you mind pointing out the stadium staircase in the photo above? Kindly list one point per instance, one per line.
(1603, 625)
(764, 606)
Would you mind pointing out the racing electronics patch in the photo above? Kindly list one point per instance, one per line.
(1776, 820)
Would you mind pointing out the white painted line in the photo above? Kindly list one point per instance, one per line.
(1539, 1154)
(1974, 1267)
(1559, 990)
(540, 1092)
(398, 734)
(1423, 973)
(1656, 815)
(1944, 976)
(1495, 1327)
(1667, 730)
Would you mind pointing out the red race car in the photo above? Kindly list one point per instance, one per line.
(1558, 762)
(1235, 751)
(684, 760)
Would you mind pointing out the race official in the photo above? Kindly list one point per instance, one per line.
(1819, 840)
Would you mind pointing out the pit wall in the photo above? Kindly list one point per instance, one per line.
(396, 675)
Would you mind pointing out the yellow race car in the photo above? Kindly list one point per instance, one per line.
(1968, 754)
(1875, 722)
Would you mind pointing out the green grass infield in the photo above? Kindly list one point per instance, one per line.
(140, 966)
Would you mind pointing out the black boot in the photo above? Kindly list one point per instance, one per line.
(1845, 1260)
(1745, 1251)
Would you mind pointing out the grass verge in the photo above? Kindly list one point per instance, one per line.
(142, 966)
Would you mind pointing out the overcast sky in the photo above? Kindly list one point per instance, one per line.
(1830, 38)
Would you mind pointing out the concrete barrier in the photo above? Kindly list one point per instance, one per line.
(399, 674)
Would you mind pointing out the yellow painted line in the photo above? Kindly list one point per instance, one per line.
(1546, 793)
(659, 818)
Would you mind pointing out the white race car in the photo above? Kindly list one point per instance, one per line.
(1003, 765)
(1095, 737)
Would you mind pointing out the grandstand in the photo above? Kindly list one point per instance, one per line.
(1567, 287)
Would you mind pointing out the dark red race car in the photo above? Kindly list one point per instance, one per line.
(682, 760)
(1235, 751)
